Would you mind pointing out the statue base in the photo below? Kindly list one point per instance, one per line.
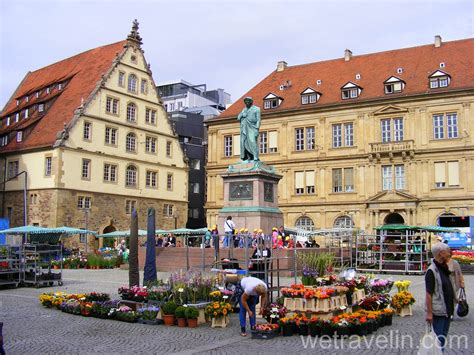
(251, 196)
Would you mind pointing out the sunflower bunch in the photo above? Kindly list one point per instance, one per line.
(218, 309)
(402, 299)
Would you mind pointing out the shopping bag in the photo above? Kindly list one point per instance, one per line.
(463, 308)
(429, 343)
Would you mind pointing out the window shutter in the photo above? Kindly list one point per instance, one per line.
(236, 145)
(349, 176)
(453, 173)
(310, 178)
(273, 139)
(440, 172)
(299, 180)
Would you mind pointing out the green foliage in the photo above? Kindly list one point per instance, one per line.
(320, 262)
(180, 311)
(191, 313)
(169, 308)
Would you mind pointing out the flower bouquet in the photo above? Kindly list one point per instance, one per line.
(101, 309)
(402, 285)
(136, 293)
(402, 302)
(287, 325)
(96, 296)
(302, 324)
(315, 325)
(375, 302)
(71, 306)
(342, 326)
(381, 285)
(265, 331)
(218, 309)
(158, 294)
(124, 314)
(148, 315)
(273, 312)
(309, 276)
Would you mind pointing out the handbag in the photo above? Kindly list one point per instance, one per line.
(463, 307)
(429, 343)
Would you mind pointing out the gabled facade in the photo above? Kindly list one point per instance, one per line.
(96, 143)
(363, 154)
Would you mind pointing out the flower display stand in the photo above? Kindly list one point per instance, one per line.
(324, 316)
(343, 300)
(202, 311)
(323, 305)
(311, 305)
(221, 322)
(406, 311)
(335, 302)
(289, 304)
(202, 316)
(300, 304)
(358, 296)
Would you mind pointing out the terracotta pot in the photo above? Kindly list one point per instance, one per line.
(181, 322)
(192, 323)
(169, 319)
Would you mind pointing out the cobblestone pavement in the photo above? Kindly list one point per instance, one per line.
(31, 329)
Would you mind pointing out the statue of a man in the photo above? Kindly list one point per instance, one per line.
(249, 125)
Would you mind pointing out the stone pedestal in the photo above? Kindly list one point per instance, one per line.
(251, 197)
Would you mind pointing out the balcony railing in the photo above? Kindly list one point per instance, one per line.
(388, 147)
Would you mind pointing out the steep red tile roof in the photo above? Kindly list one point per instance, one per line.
(79, 73)
(417, 64)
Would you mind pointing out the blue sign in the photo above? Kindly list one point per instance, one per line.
(4, 224)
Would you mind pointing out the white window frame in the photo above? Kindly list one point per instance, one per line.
(132, 83)
(150, 144)
(86, 169)
(131, 142)
(151, 179)
(169, 181)
(228, 146)
(299, 139)
(111, 136)
(131, 176)
(48, 164)
(87, 131)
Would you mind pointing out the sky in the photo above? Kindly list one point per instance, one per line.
(226, 44)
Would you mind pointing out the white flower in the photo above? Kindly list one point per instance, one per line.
(273, 316)
(181, 289)
(274, 309)
(225, 297)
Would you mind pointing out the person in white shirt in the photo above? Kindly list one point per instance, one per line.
(229, 227)
(253, 289)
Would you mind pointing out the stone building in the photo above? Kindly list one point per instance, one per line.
(93, 136)
(362, 140)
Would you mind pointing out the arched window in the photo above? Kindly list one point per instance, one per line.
(305, 223)
(132, 83)
(131, 176)
(343, 222)
(131, 142)
(131, 112)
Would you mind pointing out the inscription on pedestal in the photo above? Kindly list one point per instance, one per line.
(241, 191)
(268, 192)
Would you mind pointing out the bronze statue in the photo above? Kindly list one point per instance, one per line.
(249, 125)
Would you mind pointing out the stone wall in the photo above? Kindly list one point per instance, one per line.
(54, 208)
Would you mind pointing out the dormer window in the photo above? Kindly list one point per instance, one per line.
(37, 94)
(309, 96)
(18, 102)
(27, 111)
(271, 101)
(40, 107)
(60, 86)
(8, 120)
(27, 98)
(47, 90)
(17, 117)
(439, 79)
(350, 91)
(19, 136)
(393, 85)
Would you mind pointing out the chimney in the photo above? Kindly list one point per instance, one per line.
(347, 55)
(281, 65)
(437, 41)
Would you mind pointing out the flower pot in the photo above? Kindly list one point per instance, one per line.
(327, 331)
(388, 319)
(192, 323)
(182, 322)
(169, 319)
(287, 330)
(343, 331)
(405, 311)
(303, 329)
(361, 329)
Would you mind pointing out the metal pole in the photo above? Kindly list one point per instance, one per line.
(186, 238)
(203, 251)
(24, 198)
(295, 261)
(246, 252)
(86, 212)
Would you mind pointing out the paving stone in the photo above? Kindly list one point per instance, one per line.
(30, 328)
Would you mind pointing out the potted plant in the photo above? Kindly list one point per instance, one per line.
(192, 314)
(302, 323)
(314, 326)
(148, 315)
(273, 312)
(180, 316)
(387, 316)
(286, 325)
(169, 309)
(402, 302)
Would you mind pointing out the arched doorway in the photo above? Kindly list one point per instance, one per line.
(109, 242)
(394, 218)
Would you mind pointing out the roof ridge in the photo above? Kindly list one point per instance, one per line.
(376, 53)
(77, 55)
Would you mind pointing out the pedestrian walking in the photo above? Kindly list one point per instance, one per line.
(439, 292)
(456, 275)
(215, 242)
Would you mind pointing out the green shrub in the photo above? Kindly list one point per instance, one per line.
(169, 308)
(192, 313)
(180, 311)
